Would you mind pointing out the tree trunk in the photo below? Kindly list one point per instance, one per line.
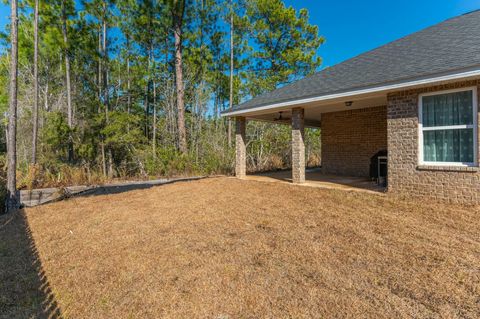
(229, 133)
(154, 134)
(35, 85)
(178, 21)
(106, 97)
(12, 202)
(100, 97)
(67, 80)
(99, 74)
(129, 98)
(147, 91)
(46, 105)
(104, 164)
(146, 108)
(110, 163)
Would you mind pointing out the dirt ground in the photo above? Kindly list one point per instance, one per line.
(227, 248)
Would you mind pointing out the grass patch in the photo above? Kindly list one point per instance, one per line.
(226, 248)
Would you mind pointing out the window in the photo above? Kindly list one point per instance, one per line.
(448, 128)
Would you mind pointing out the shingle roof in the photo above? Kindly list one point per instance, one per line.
(445, 47)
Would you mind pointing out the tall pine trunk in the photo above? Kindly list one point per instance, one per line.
(178, 10)
(154, 133)
(129, 97)
(35, 85)
(99, 70)
(231, 76)
(12, 201)
(106, 100)
(106, 97)
(100, 97)
(146, 107)
(67, 80)
(146, 110)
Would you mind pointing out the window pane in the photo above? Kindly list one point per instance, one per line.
(448, 109)
(448, 146)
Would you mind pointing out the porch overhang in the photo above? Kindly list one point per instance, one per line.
(314, 110)
(352, 99)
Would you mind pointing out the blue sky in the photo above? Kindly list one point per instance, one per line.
(353, 27)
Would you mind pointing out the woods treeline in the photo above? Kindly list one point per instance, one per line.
(120, 89)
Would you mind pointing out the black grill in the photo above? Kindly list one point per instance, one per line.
(379, 168)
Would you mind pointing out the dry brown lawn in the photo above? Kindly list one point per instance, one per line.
(226, 248)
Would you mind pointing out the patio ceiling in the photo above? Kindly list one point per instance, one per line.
(314, 110)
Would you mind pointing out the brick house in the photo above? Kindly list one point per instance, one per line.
(416, 98)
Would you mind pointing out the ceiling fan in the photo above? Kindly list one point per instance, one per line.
(280, 117)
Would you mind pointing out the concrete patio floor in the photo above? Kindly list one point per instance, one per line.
(315, 178)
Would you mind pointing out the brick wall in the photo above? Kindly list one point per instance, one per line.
(405, 176)
(351, 138)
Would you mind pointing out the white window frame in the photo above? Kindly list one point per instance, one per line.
(421, 129)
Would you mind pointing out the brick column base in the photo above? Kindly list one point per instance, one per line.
(240, 147)
(298, 146)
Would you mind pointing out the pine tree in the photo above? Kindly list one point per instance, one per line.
(178, 11)
(12, 201)
(285, 45)
(35, 84)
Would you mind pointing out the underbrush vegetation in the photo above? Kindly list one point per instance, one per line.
(126, 155)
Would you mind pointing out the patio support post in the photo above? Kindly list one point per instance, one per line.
(298, 146)
(240, 147)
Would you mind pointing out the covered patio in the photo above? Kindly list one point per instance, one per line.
(315, 178)
(353, 131)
